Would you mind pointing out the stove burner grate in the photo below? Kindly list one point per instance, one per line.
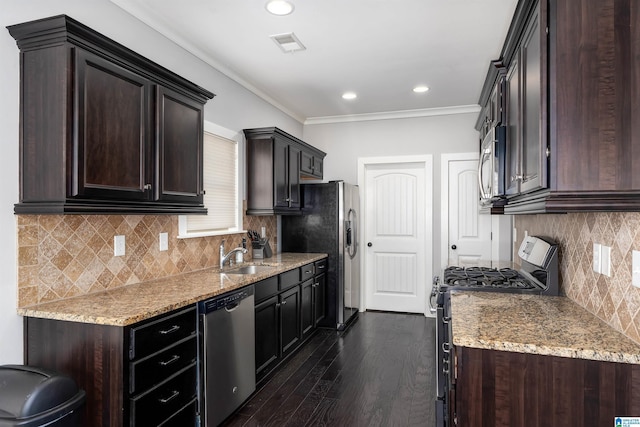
(485, 277)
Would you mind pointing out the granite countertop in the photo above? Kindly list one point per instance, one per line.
(132, 303)
(545, 325)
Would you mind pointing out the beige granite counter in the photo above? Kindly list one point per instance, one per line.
(130, 304)
(536, 324)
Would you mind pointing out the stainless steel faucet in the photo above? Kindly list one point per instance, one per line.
(228, 256)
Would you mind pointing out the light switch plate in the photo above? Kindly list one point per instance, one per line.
(118, 245)
(635, 269)
(605, 260)
(164, 241)
(597, 250)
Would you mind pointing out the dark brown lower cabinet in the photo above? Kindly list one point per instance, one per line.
(306, 307)
(288, 309)
(138, 375)
(497, 388)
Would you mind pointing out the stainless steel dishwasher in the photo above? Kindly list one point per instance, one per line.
(227, 352)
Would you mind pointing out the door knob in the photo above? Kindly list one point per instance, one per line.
(454, 247)
(369, 244)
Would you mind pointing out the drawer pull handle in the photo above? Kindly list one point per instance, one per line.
(308, 272)
(321, 267)
(174, 358)
(174, 394)
(170, 330)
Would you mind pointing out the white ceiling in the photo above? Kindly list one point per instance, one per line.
(379, 49)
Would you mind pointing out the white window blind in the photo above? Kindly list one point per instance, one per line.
(220, 180)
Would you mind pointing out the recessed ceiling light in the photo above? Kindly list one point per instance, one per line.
(420, 89)
(279, 7)
(349, 95)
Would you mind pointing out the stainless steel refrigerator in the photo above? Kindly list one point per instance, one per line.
(329, 224)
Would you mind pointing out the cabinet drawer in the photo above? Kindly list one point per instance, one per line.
(306, 272)
(186, 417)
(320, 266)
(266, 288)
(156, 335)
(166, 399)
(156, 368)
(289, 278)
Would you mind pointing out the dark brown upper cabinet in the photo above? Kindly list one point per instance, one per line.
(103, 129)
(573, 140)
(276, 164)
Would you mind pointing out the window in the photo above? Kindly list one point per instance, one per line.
(221, 185)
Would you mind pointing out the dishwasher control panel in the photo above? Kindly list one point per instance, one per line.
(225, 300)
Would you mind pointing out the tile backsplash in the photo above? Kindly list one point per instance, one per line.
(61, 256)
(613, 299)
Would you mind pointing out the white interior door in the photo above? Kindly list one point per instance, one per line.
(468, 234)
(397, 233)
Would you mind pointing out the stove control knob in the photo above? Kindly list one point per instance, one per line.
(454, 247)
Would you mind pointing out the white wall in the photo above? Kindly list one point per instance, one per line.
(234, 108)
(344, 143)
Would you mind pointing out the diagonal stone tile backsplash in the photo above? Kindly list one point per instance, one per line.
(613, 299)
(61, 256)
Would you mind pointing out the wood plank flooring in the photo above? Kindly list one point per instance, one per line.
(379, 372)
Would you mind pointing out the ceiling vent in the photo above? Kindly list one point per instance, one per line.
(288, 42)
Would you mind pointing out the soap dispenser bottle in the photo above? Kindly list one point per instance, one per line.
(239, 254)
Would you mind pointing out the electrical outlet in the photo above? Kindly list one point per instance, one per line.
(119, 246)
(597, 251)
(164, 241)
(605, 260)
(635, 269)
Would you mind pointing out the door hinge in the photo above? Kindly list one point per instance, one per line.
(548, 152)
(491, 236)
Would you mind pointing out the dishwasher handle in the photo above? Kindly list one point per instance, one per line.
(231, 307)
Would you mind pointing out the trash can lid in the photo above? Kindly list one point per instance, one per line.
(27, 390)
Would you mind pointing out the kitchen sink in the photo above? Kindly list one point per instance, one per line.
(249, 269)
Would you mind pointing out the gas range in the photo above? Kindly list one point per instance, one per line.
(537, 274)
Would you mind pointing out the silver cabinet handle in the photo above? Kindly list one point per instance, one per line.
(147, 187)
(173, 359)
(170, 330)
(174, 394)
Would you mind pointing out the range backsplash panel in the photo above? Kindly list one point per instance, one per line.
(61, 256)
(613, 299)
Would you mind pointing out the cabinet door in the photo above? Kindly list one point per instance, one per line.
(112, 140)
(290, 319)
(179, 123)
(533, 153)
(318, 167)
(267, 335)
(280, 174)
(512, 173)
(294, 177)
(319, 299)
(306, 307)
(306, 162)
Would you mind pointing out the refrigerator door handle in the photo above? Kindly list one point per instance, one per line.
(352, 233)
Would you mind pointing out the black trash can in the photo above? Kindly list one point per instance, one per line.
(31, 397)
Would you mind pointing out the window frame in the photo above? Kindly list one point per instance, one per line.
(214, 129)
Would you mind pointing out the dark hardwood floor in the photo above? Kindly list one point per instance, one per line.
(379, 372)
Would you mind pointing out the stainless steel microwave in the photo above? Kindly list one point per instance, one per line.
(492, 165)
